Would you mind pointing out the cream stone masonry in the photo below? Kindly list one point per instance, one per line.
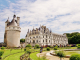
(12, 32)
(44, 37)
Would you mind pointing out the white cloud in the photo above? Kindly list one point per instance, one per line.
(58, 15)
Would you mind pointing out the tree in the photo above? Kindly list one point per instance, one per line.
(1, 53)
(73, 38)
(60, 54)
(36, 46)
(29, 46)
(22, 40)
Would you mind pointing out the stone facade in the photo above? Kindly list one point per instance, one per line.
(12, 32)
(45, 37)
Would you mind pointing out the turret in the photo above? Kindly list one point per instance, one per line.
(12, 33)
(7, 22)
(18, 21)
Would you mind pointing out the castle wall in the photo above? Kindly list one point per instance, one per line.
(13, 38)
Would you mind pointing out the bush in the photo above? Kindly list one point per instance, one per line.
(1, 53)
(29, 46)
(2, 48)
(36, 46)
(75, 57)
(55, 48)
(24, 49)
(78, 46)
(60, 54)
(48, 49)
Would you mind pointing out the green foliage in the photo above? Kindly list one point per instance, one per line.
(73, 38)
(48, 49)
(24, 49)
(22, 40)
(36, 46)
(55, 48)
(1, 53)
(78, 46)
(75, 57)
(2, 48)
(60, 54)
(29, 46)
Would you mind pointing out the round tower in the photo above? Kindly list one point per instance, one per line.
(13, 33)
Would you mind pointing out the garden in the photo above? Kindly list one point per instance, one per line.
(30, 53)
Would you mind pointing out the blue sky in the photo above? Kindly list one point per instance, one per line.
(61, 16)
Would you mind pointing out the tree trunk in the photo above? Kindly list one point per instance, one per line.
(60, 58)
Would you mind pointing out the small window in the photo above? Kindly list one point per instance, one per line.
(37, 41)
(49, 40)
(33, 41)
(30, 37)
(46, 40)
(43, 40)
(46, 36)
(43, 36)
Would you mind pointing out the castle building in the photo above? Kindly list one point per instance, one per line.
(45, 37)
(12, 32)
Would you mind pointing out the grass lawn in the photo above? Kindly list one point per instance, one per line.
(34, 56)
(61, 48)
(14, 56)
(7, 51)
(71, 52)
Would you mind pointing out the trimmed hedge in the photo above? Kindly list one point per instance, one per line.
(48, 49)
(29, 46)
(2, 48)
(55, 48)
(36, 46)
(75, 57)
(78, 46)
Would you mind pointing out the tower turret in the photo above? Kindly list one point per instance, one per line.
(13, 33)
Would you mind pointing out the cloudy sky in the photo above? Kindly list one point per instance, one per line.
(61, 16)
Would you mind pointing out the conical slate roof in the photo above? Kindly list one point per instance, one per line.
(7, 20)
(13, 23)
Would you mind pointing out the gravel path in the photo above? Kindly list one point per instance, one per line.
(50, 57)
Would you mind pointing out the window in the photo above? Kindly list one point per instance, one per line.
(33, 37)
(46, 36)
(43, 40)
(33, 41)
(37, 41)
(46, 40)
(49, 40)
(43, 36)
(30, 37)
(30, 41)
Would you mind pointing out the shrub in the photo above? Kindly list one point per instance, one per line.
(36, 46)
(24, 49)
(29, 46)
(55, 48)
(78, 46)
(75, 57)
(1, 53)
(48, 49)
(2, 48)
(60, 54)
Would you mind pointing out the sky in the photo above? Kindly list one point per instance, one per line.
(61, 16)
